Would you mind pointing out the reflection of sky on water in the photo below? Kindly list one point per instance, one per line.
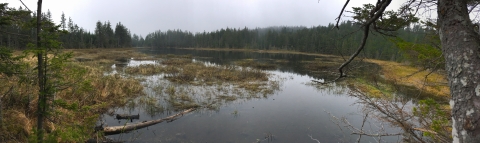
(290, 115)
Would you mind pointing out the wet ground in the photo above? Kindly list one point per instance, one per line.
(293, 111)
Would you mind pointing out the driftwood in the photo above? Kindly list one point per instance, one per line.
(143, 124)
(127, 116)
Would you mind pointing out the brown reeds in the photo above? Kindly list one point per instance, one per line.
(183, 70)
(82, 93)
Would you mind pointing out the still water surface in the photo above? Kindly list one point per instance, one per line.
(290, 114)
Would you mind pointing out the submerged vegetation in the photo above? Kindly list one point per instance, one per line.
(185, 83)
(184, 70)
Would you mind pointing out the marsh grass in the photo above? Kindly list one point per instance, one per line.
(158, 88)
(179, 96)
(177, 61)
(228, 74)
(435, 83)
(392, 72)
(256, 64)
(227, 98)
(117, 54)
(193, 84)
(105, 58)
(83, 93)
(151, 105)
(383, 78)
(181, 69)
(86, 91)
(145, 69)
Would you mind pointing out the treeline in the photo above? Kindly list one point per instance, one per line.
(319, 39)
(103, 37)
(17, 35)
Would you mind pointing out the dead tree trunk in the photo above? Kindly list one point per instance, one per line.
(131, 127)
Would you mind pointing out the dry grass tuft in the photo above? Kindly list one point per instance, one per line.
(435, 83)
(181, 69)
(177, 61)
(146, 69)
(83, 93)
(16, 128)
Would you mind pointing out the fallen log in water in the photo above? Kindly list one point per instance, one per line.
(126, 116)
(134, 126)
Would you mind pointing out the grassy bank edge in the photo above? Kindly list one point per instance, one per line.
(86, 93)
(394, 72)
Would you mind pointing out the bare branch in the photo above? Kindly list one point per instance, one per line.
(314, 139)
(377, 135)
(379, 11)
(362, 45)
(341, 12)
(25, 5)
(363, 123)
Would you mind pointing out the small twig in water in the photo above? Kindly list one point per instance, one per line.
(314, 139)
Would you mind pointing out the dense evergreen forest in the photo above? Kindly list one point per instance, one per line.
(319, 39)
(17, 35)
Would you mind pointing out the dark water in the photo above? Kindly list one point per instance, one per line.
(290, 114)
(293, 62)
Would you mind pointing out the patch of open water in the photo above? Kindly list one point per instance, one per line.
(290, 114)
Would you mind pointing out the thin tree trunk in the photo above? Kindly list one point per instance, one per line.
(461, 49)
(41, 83)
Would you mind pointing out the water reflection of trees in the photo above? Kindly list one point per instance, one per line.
(294, 62)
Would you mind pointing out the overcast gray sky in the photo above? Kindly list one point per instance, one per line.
(145, 16)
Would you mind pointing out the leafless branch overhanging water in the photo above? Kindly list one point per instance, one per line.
(375, 14)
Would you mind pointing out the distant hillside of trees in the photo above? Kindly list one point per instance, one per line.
(17, 35)
(319, 39)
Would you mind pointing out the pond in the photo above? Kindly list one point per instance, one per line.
(293, 111)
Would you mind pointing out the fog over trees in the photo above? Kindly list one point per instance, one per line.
(374, 32)
(319, 39)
